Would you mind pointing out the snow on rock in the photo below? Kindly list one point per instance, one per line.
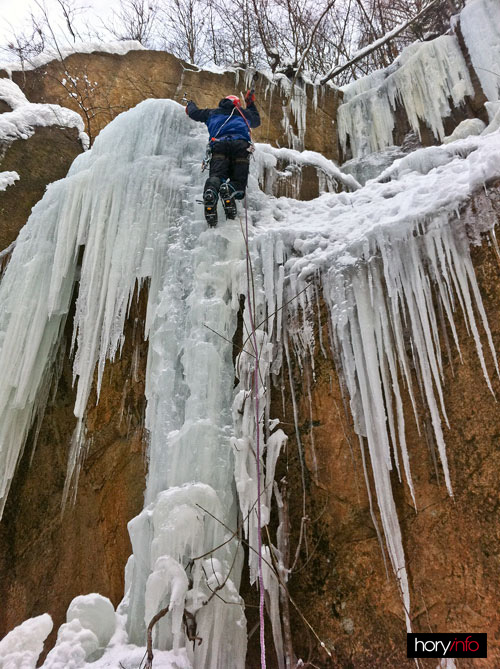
(423, 79)
(20, 123)
(21, 647)
(76, 649)
(96, 613)
(8, 179)
(480, 26)
(471, 126)
(493, 109)
(424, 160)
(12, 94)
(329, 174)
(90, 625)
(119, 47)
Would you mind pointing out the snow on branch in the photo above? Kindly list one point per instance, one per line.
(359, 55)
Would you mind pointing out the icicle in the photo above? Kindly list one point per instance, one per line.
(423, 78)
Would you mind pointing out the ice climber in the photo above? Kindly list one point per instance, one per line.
(230, 146)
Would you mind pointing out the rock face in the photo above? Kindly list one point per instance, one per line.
(39, 160)
(43, 565)
(106, 85)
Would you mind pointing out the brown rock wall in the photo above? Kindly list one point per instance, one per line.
(43, 158)
(107, 84)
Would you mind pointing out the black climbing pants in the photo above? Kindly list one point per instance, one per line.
(230, 160)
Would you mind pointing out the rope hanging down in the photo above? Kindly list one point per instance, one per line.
(250, 303)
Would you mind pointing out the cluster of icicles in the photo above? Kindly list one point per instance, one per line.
(130, 203)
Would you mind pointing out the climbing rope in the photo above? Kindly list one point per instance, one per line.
(257, 445)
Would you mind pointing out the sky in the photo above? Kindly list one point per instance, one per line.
(14, 13)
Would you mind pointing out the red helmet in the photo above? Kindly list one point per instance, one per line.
(234, 99)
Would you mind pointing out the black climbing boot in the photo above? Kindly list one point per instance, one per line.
(226, 192)
(210, 203)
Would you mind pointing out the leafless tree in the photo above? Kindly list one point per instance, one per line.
(39, 34)
(376, 18)
(289, 36)
(234, 29)
(25, 44)
(185, 30)
(70, 10)
(137, 20)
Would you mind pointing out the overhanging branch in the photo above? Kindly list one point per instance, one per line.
(376, 45)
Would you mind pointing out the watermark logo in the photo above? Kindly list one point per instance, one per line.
(446, 645)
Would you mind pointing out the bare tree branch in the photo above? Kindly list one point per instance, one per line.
(311, 40)
(154, 620)
(376, 45)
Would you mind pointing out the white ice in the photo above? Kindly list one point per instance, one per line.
(20, 648)
(267, 158)
(470, 126)
(8, 179)
(480, 26)
(493, 117)
(423, 79)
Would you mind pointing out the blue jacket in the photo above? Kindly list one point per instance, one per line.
(227, 121)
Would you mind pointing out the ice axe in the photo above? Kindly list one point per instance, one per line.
(254, 79)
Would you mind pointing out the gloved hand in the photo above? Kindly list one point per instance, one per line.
(187, 105)
(249, 97)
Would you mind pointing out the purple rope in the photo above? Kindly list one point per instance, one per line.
(256, 391)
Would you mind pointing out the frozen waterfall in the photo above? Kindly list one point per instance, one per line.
(382, 258)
